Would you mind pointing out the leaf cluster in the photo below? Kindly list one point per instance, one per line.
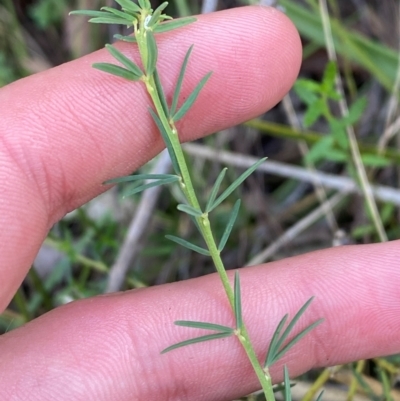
(335, 145)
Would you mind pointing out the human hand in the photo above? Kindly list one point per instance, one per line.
(64, 132)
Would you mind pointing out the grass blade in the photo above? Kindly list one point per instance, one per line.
(137, 177)
(129, 6)
(125, 61)
(295, 340)
(167, 142)
(236, 183)
(273, 349)
(160, 92)
(215, 189)
(197, 340)
(205, 326)
(191, 99)
(152, 53)
(148, 185)
(319, 398)
(179, 83)
(229, 226)
(175, 24)
(129, 39)
(238, 302)
(116, 70)
(191, 211)
(188, 245)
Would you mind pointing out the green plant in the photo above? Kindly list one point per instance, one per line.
(146, 23)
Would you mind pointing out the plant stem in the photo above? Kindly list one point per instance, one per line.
(203, 221)
(206, 231)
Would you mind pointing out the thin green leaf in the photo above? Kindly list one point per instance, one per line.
(280, 387)
(319, 398)
(238, 302)
(295, 340)
(145, 4)
(129, 6)
(179, 83)
(205, 326)
(191, 211)
(116, 70)
(196, 340)
(229, 226)
(118, 13)
(286, 382)
(215, 189)
(191, 99)
(138, 177)
(273, 349)
(111, 20)
(160, 92)
(152, 184)
(188, 245)
(90, 13)
(292, 323)
(236, 183)
(175, 24)
(157, 13)
(152, 53)
(167, 142)
(129, 39)
(129, 64)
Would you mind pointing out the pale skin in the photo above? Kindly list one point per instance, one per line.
(65, 131)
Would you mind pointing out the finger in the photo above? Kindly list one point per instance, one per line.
(69, 129)
(109, 347)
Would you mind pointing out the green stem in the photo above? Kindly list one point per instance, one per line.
(203, 221)
(205, 228)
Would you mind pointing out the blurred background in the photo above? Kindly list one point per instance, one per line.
(331, 178)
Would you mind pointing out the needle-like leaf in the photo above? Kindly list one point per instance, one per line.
(157, 13)
(191, 211)
(204, 325)
(116, 70)
(197, 340)
(286, 382)
(296, 339)
(167, 142)
(238, 302)
(179, 83)
(129, 39)
(129, 64)
(160, 92)
(152, 53)
(175, 24)
(129, 6)
(188, 245)
(148, 185)
(111, 20)
(236, 183)
(138, 177)
(229, 226)
(90, 13)
(319, 398)
(215, 189)
(275, 351)
(191, 99)
(118, 13)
